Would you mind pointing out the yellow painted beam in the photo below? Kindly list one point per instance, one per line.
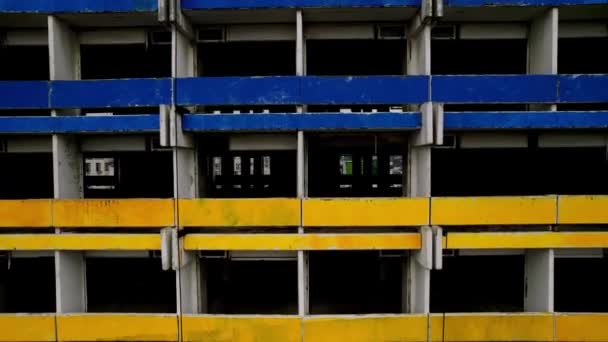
(290, 242)
(42, 242)
(131, 213)
(583, 209)
(117, 327)
(402, 328)
(527, 240)
(241, 328)
(455, 211)
(25, 213)
(365, 212)
(27, 327)
(581, 327)
(493, 327)
(262, 212)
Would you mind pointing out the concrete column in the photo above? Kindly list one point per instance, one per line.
(417, 179)
(185, 176)
(302, 191)
(542, 49)
(70, 267)
(539, 280)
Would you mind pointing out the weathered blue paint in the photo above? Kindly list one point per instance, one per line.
(77, 6)
(79, 124)
(365, 90)
(583, 88)
(294, 122)
(24, 94)
(524, 120)
(493, 3)
(495, 89)
(238, 90)
(235, 4)
(111, 93)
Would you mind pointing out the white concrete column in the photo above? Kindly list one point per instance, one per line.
(302, 191)
(417, 180)
(542, 48)
(70, 267)
(539, 280)
(190, 296)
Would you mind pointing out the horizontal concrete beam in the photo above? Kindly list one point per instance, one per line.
(80, 242)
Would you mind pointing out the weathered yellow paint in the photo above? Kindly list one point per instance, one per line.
(583, 209)
(241, 328)
(435, 327)
(117, 327)
(454, 211)
(27, 327)
(527, 240)
(25, 213)
(261, 212)
(42, 242)
(581, 327)
(291, 242)
(402, 328)
(496, 327)
(129, 213)
(365, 212)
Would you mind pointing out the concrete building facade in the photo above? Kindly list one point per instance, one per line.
(304, 170)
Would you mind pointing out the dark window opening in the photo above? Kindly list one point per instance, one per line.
(251, 287)
(580, 284)
(478, 284)
(128, 174)
(519, 171)
(127, 61)
(20, 63)
(27, 284)
(360, 282)
(129, 285)
(357, 170)
(26, 175)
(262, 59)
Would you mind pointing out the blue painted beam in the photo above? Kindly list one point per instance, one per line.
(518, 3)
(77, 6)
(365, 90)
(583, 88)
(525, 120)
(237, 4)
(24, 94)
(294, 122)
(495, 89)
(79, 124)
(111, 93)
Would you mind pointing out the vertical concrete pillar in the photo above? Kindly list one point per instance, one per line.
(303, 302)
(416, 295)
(191, 299)
(542, 48)
(539, 280)
(64, 64)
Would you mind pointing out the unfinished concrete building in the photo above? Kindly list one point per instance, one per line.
(304, 170)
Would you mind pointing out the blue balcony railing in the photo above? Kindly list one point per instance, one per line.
(77, 6)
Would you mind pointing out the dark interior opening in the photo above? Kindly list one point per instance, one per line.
(128, 174)
(355, 282)
(127, 61)
(479, 284)
(20, 63)
(26, 175)
(248, 58)
(582, 56)
(27, 284)
(356, 167)
(519, 171)
(129, 285)
(251, 287)
(580, 284)
(355, 57)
